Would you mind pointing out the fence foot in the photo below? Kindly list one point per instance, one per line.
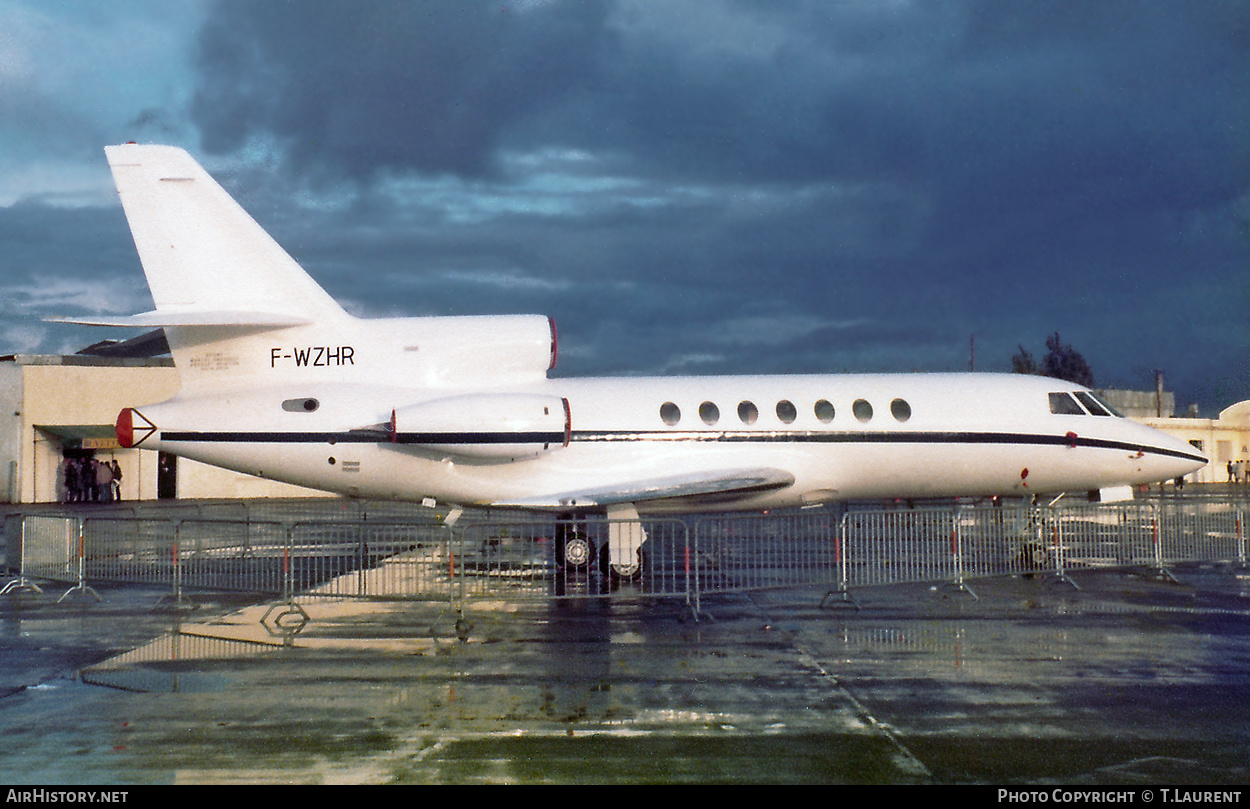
(692, 613)
(845, 598)
(1164, 575)
(177, 602)
(20, 586)
(1064, 578)
(964, 588)
(80, 591)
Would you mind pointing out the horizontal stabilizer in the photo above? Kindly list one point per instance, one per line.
(735, 482)
(162, 318)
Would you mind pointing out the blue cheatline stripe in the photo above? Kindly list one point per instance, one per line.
(742, 436)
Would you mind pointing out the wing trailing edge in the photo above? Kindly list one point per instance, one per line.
(700, 485)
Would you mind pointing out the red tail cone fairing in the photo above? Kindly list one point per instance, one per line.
(133, 428)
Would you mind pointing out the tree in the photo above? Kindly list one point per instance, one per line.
(1023, 363)
(1064, 362)
(1061, 362)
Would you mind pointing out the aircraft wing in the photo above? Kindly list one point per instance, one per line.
(709, 486)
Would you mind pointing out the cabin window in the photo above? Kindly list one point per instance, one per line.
(900, 409)
(748, 412)
(671, 413)
(1062, 404)
(862, 410)
(300, 405)
(1092, 404)
(709, 412)
(824, 411)
(787, 412)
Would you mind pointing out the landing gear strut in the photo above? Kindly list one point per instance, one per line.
(621, 558)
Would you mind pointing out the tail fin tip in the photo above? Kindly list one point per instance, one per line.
(200, 250)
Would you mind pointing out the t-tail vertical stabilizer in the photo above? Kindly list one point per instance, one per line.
(219, 281)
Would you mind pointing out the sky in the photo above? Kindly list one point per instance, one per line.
(686, 186)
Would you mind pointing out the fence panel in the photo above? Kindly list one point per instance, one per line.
(50, 547)
(133, 551)
(1202, 530)
(894, 547)
(752, 552)
(1002, 540)
(566, 558)
(384, 560)
(353, 551)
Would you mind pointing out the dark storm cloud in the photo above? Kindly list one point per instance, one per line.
(1008, 169)
(984, 103)
(40, 241)
(399, 85)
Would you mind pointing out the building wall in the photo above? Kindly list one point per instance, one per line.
(1140, 403)
(197, 480)
(10, 431)
(1223, 440)
(45, 398)
(58, 396)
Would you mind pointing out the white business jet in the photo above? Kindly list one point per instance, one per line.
(278, 381)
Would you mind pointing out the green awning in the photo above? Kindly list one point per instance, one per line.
(83, 436)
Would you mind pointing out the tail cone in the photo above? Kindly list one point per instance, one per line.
(133, 428)
(126, 428)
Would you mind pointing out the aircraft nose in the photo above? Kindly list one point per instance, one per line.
(1179, 457)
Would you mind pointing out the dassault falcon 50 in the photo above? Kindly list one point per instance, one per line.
(277, 380)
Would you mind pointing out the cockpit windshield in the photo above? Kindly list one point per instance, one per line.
(1064, 404)
(1091, 404)
(1103, 403)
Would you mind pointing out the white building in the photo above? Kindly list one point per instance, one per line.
(53, 408)
(1225, 440)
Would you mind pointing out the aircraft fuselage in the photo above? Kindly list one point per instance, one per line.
(838, 436)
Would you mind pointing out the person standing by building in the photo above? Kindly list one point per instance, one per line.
(87, 481)
(71, 480)
(104, 482)
(117, 480)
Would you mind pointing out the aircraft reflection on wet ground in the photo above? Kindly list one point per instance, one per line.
(1128, 680)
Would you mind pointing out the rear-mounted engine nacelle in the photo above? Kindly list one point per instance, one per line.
(499, 426)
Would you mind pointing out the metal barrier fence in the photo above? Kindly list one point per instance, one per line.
(349, 554)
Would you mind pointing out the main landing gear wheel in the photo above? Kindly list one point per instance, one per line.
(574, 550)
(1033, 555)
(617, 572)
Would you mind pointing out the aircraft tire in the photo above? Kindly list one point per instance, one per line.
(617, 573)
(575, 551)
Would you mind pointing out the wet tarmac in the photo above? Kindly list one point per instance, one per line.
(1129, 680)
